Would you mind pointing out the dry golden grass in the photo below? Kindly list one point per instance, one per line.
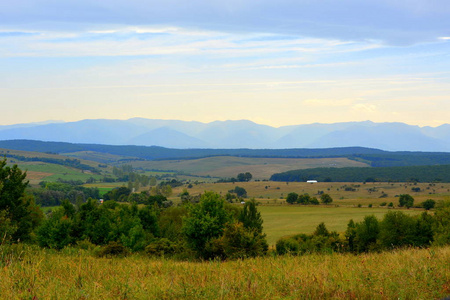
(230, 166)
(403, 274)
(268, 191)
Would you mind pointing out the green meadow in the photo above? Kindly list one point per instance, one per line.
(286, 220)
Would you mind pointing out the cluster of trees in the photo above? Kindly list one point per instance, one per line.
(395, 230)
(406, 200)
(241, 177)
(438, 173)
(124, 194)
(125, 173)
(211, 228)
(208, 229)
(53, 193)
(247, 176)
(237, 192)
(294, 198)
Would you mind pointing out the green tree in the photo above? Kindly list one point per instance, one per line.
(244, 176)
(367, 234)
(152, 181)
(428, 204)
(350, 235)
(304, 199)
(326, 199)
(250, 217)
(238, 241)
(396, 230)
(55, 231)
(423, 235)
(441, 226)
(406, 200)
(204, 222)
(292, 198)
(239, 191)
(321, 230)
(18, 207)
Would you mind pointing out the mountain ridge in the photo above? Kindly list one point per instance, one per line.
(235, 134)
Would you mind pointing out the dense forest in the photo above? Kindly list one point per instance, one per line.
(373, 157)
(440, 173)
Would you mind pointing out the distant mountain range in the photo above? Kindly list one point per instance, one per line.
(235, 134)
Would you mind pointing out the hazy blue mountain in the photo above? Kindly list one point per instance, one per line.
(112, 132)
(386, 136)
(306, 135)
(166, 137)
(25, 125)
(236, 134)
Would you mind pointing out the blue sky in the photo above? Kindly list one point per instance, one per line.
(272, 62)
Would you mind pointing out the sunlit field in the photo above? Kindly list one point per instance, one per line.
(33, 273)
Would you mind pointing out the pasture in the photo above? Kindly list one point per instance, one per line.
(286, 220)
(230, 166)
(55, 171)
(343, 194)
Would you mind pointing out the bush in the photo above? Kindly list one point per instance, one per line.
(113, 249)
(287, 245)
(396, 230)
(292, 198)
(239, 242)
(314, 201)
(428, 204)
(406, 200)
(161, 247)
(85, 245)
(326, 199)
(366, 234)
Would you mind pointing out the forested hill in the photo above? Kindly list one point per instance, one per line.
(373, 157)
(154, 152)
(402, 174)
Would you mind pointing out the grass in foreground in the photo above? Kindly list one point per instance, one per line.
(403, 274)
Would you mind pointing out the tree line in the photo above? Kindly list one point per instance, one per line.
(208, 229)
(395, 230)
(440, 173)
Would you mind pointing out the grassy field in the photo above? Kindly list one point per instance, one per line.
(55, 171)
(288, 220)
(74, 274)
(269, 192)
(230, 166)
(38, 171)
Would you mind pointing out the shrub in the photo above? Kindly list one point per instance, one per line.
(287, 245)
(161, 247)
(396, 230)
(366, 234)
(85, 245)
(326, 199)
(113, 249)
(406, 200)
(428, 204)
(238, 241)
(314, 201)
(292, 198)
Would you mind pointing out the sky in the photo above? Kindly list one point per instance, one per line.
(277, 63)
